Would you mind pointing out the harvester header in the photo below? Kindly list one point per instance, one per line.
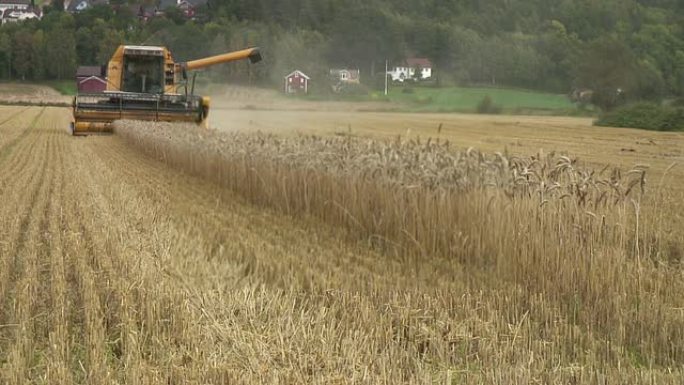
(143, 83)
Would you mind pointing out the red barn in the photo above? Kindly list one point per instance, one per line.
(90, 79)
(296, 82)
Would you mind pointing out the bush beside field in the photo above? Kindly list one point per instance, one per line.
(649, 116)
(413, 98)
(467, 99)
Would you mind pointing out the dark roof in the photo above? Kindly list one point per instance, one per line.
(77, 5)
(298, 73)
(87, 71)
(350, 70)
(81, 5)
(146, 10)
(18, 2)
(164, 4)
(193, 3)
(419, 62)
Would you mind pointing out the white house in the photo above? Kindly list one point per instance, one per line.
(12, 11)
(17, 15)
(407, 70)
(346, 75)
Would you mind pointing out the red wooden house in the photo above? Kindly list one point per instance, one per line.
(296, 82)
(90, 79)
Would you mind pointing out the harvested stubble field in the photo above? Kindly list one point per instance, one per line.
(168, 255)
(26, 94)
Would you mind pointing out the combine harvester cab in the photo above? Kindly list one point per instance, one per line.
(143, 84)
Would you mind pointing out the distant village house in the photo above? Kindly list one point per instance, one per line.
(17, 15)
(189, 7)
(296, 82)
(412, 69)
(144, 10)
(14, 4)
(345, 75)
(75, 6)
(12, 11)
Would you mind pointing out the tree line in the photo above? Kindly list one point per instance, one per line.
(619, 49)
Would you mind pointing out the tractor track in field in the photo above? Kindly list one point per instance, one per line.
(30, 313)
(18, 174)
(35, 194)
(13, 115)
(83, 282)
(38, 282)
(11, 141)
(54, 329)
(23, 259)
(92, 284)
(42, 304)
(12, 157)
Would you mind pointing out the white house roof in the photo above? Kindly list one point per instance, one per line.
(99, 79)
(300, 73)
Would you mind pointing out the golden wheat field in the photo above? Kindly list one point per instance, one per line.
(340, 248)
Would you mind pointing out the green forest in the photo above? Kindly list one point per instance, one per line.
(631, 47)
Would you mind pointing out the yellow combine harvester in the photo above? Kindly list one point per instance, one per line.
(143, 83)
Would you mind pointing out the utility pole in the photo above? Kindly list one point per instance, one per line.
(386, 64)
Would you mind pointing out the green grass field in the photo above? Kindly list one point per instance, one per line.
(64, 87)
(462, 99)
